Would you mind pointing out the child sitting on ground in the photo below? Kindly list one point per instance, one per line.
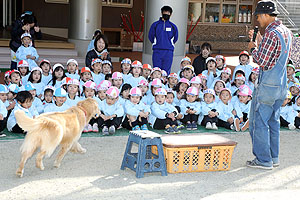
(96, 71)
(35, 78)
(112, 112)
(136, 112)
(57, 76)
(72, 67)
(46, 69)
(59, 98)
(146, 71)
(244, 65)
(24, 101)
(23, 68)
(163, 115)
(220, 60)
(287, 114)
(126, 69)
(3, 110)
(209, 110)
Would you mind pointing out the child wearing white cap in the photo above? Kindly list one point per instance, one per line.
(24, 101)
(13, 90)
(57, 76)
(136, 112)
(210, 113)
(225, 76)
(48, 95)
(27, 52)
(125, 69)
(46, 71)
(190, 106)
(117, 79)
(3, 110)
(184, 62)
(212, 73)
(163, 115)
(72, 68)
(188, 72)
(59, 98)
(96, 71)
(112, 112)
(35, 78)
(73, 96)
(172, 81)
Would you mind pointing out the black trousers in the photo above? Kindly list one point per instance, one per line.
(162, 123)
(116, 121)
(190, 118)
(297, 122)
(224, 124)
(2, 124)
(93, 121)
(206, 119)
(245, 117)
(126, 123)
(17, 129)
(283, 122)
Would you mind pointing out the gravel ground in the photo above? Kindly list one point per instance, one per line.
(97, 175)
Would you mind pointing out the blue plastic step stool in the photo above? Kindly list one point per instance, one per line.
(145, 160)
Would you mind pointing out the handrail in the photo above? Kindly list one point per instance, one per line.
(285, 14)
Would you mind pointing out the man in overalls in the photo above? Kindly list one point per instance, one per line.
(271, 53)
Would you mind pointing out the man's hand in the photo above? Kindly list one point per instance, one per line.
(28, 56)
(26, 27)
(1, 117)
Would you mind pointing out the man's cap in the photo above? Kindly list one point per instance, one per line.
(266, 7)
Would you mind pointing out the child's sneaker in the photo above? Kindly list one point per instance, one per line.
(2, 135)
(194, 126)
(105, 130)
(292, 127)
(245, 126)
(189, 126)
(208, 125)
(236, 124)
(232, 127)
(176, 130)
(144, 127)
(95, 128)
(136, 128)
(214, 126)
(85, 129)
(169, 130)
(89, 128)
(180, 125)
(112, 130)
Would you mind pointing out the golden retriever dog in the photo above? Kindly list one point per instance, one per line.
(49, 130)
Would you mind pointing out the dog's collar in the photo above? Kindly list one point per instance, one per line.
(82, 110)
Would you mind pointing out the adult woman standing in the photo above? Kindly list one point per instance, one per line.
(27, 23)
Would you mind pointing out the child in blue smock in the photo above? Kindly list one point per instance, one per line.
(227, 113)
(238, 81)
(24, 101)
(27, 52)
(225, 76)
(287, 113)
(149, 98)
(252, 78)
(126, 69)
(23, 68)
(46, 71)
(3, 110)
(144, 87)
(111, 112)
(73, 96)
(102, 88)
(172, 81)
(96, 67)
(163, 115)
(244, 65)
(57, 76)
(136, 71)
(85, 75)
(242, 106)
(135, 111)
(15, 77)
(217, 87)
(146, 71)
(124, 94)
(117, 79)
(184, 62)
(37, 105)
(188, 72)
(221, 62)
(59, 98)
(72, 67)
(191, 108)
(180, 90)
(210, 112)
(48, 95)
(212, 73)
(35, 78)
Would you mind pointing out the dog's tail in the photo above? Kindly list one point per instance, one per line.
(42, 132)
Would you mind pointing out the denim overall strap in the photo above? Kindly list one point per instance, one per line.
(268, 97)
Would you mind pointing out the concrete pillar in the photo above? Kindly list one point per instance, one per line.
(85, 18)
(179, 18)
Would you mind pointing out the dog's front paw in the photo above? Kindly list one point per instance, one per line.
(83, 150)
(20, 172)
(56, 164)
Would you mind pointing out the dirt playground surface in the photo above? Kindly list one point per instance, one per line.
(97, 175)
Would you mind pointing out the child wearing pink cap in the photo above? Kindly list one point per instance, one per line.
(242, 106)
(136, 112)
(155, 84)
(227, 113)
(112, 112)
(6, 78)
(163, 115)
(180, 90)
(85, 75)
(225, 76)
(210, 113)
(190, 106)
(172, 81)
(102, 88)
(117, 79)
(144, 87)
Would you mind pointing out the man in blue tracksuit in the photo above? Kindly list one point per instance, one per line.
(163, 35)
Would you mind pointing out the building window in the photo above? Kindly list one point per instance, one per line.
(118, 3)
